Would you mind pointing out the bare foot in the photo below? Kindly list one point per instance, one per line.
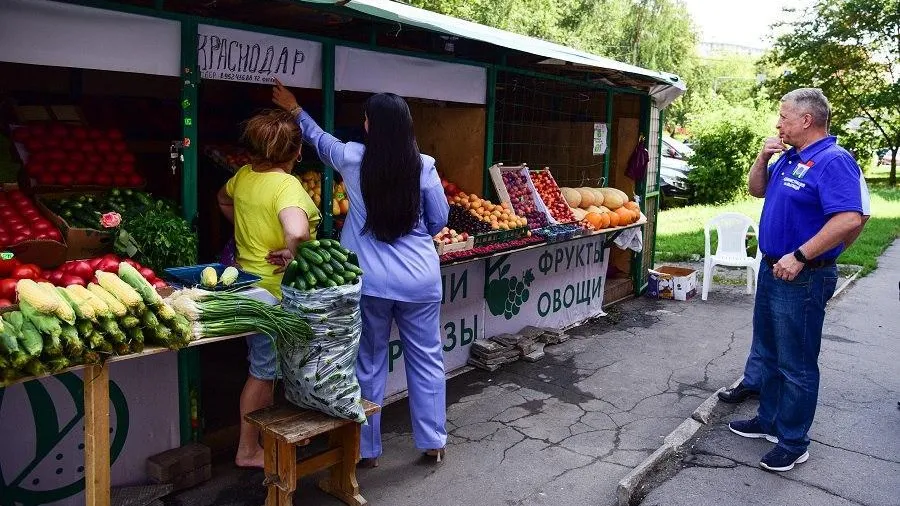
(255, 458)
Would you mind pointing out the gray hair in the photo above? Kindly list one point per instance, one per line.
(813, 102)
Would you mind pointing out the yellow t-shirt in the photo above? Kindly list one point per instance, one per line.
(258, 198)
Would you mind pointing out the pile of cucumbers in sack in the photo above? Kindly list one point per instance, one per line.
(322, 263)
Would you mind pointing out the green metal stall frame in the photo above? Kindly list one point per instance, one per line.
(188, 360)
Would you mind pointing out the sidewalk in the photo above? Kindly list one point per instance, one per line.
(855, 453)
(563, 430)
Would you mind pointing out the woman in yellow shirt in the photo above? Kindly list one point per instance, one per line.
(272, 214)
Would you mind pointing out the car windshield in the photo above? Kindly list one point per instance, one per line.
(678, 146)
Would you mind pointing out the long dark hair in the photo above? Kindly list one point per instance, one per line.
(391, 169)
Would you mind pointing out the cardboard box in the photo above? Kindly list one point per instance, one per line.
(83, 242)
(46, 254)
(670, 282)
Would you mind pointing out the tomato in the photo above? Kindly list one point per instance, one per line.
(79, 133)
(120, 180)
(95, 159)
(82, 269)
(127, 158)
(120, 147)
(65, 179)
(159, 284)
(132, 263)
(20, 134)
(72, 167)
(104, 180)
(46, 179)
(69, 279)
(111, 256)
(147, 273)
(87, 147)
(135, 180)
(95, 263)
(5, 303)
(8, 288)
(112, 158)
(7, 266)
(77, 156)
(35, 167)
(69, 145)
(19, 238)
(26, 271)
(104, 145)
(55, 167)
(114, 134)
(55, 235)
(84, 178)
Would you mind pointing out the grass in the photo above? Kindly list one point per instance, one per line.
(680, 231)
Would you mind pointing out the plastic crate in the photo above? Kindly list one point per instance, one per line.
(496, 236)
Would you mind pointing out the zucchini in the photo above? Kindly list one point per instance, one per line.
(338, 254)
(326, 256)
(310, 279)
(320, 275)
(290, 273)
(311, 256)
(302, 264)
(353, 268)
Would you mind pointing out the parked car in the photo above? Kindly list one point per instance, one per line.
(673, 169)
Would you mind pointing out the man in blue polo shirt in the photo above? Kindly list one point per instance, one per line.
(813, 206)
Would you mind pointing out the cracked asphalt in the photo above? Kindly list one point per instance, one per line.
(855, 449)
(566, 429)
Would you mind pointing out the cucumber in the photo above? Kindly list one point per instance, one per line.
(311, 256)
(311, 244)
(310, 279)
(330, 243)
(337, 265)
(302, 264)
(290, 273)
(330, 283)
(339, 279)
(300, 284)
(326, 256)
(352, 268)
(318, 273)
(349, 277)
(338, 254)
(353, 259)
(327, 268)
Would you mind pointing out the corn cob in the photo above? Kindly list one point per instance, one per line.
(115, 306)
(121, 291)
(46, 324)
(101, 308)
(15, 319)
(229, 276)
(30, 339)
(133, 278)
(32, 293)
(63, 310)
(83, 309)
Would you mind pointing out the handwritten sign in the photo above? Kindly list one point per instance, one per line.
(226, 54)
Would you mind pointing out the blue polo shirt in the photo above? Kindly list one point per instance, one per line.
(804, 190)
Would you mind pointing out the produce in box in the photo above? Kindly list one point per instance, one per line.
(65, 155)
(498, 217)
(322, 263)
(601, 208)
(450, 236)
(85, 211)
(312, 183)
(21, 221)
(516, 183)
(549, 192)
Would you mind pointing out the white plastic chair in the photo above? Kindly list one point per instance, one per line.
(731, 248)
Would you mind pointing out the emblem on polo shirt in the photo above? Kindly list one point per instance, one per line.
(801, 169)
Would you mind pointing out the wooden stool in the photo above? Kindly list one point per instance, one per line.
(285, 427)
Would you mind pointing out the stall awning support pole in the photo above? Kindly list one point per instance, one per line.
(96, 436)
(609, 136)
(189, 359)
(491, 114)
(638, 273)
(328, 125)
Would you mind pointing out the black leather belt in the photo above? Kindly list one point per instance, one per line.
(812, 264)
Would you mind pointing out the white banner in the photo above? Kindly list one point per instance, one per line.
(369, 71)
(236, 55)
(555, 286)
(39, 32)
(42, 430)
(462, 321)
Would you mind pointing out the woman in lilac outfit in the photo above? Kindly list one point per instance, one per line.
(397, 206)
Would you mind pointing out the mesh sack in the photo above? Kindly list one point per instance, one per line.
(321, 374)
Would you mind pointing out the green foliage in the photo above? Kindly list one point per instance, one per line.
(850, 49)
(162, 238)
(724, 150)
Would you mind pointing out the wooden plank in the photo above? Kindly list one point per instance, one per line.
(454, 136)
(96, 436)
(273, 414)
(341, 481)
(318, 462)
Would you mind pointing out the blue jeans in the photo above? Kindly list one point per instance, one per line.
(787, 328)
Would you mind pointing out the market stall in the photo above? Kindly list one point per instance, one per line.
(532, 141)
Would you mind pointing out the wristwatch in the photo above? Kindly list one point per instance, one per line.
(800, 256)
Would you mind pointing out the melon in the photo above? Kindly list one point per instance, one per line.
(579, 213)
(594, 209)
(598, 196)
(604, 209)
(587, 197)
(573, 198)
(613, 198)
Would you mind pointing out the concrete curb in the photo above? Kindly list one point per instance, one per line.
(631, 484)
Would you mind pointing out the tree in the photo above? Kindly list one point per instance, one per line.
(851, 50)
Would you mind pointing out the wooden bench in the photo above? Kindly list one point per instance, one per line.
(285, 427)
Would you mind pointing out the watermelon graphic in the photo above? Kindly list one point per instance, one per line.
(45, 461)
